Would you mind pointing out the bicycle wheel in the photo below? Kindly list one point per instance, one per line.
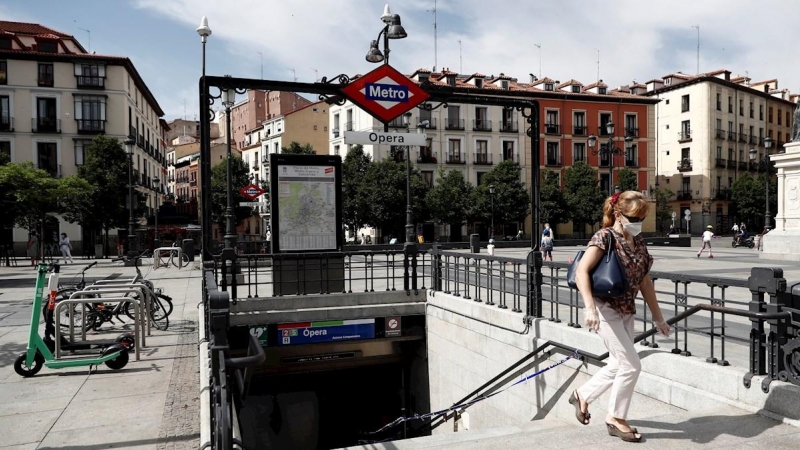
(75, 312)
(158, 314)
(166, 302)
(164, 259)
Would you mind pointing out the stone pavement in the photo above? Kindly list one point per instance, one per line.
(149, 404)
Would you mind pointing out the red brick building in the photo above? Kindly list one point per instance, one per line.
(259, 106)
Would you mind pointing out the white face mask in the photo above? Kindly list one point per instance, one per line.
(633, 228)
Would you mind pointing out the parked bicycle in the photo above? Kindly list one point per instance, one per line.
(175, 257)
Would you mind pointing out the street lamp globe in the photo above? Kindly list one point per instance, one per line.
(129, 143)
(396, 30)
(386, 17)
(768, 142)
(228, 97)
(753, 153)
(610, 128)
(592, 140)
(203, 30)
(374, 55)
(628, 143)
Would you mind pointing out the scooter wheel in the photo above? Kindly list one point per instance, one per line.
(733, 244)
(120, 361)
(23, 370)
(128, 340)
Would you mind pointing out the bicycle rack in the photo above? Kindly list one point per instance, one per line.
(142, 329)
(60, 305)
(157, 256)
(143, 289)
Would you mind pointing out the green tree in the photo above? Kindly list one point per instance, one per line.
(106, 168)
(511, 199)
(295, 148)
(355, 207)
(628, 180)
(554, 209)
(28, 194)
(75, 201)
(748, 196)
(583, 194)
(240, 177)
(663, 210)
(449, 202)
(384, 187)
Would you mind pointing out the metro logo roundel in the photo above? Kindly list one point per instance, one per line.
(251, 191)
(385, 93)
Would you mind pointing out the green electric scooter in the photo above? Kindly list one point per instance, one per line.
(39, 353)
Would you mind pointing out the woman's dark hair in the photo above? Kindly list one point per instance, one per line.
(630, 203)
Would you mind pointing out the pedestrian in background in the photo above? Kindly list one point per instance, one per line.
(735, 229)
(33, 248)
(546, 245)
(708, 235)
(613, 317)
(490, 247)
(66, 248)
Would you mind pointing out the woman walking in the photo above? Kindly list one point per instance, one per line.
(33, 248)
(613, 317)
(66, 248)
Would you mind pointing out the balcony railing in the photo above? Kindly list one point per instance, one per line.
(425, 159)
(604, 161)
(193, 183)
(395, 123)
(53, 169)
(46, 81)
(7, 124)
(90, 126)
(753, 140)
(91, 82)
(454, 124)
(721, 163)
(631, 162)
(685, 165)
(579, 131)
(601, 131)
(731, 164)
(742, 137)
(720, 134)
(479, 158)
(552, 128)
(723, 194)
(685, 136)
(132, 132)
(481, 125)
(684, 195)
(514, 157)
(348, 126)
(632, 132)
(753, 166)
(509, 126)
(552, 161)
(731, 135)
(46, 125)
(456, 158)
(140, 141)
(742, 165)
(431, 122)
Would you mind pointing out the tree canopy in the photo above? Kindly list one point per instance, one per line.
(355, 207)
(511, 199)
(449, 202)
(384, 188)
(583, 194)
(554, 208)
(295, 148)
(240, 177)
(628, 180)
(748, 195)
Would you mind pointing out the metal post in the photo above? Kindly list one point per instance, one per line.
(155, 232)
(132, 241)
(767, 215)
(230, 232)
(205, 163)
(610, 150)
(535, 256)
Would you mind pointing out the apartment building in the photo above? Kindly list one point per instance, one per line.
(182, 128)
(706, 126)
(473, 138)
(258, 106)
(55, 97)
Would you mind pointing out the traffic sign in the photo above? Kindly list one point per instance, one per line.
(251, 191)
(385, 93)
(373, 138)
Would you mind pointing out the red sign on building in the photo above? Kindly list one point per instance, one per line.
(251, 191)
(385, 93)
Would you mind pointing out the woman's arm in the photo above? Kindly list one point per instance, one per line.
(649, 293)
(583, 280)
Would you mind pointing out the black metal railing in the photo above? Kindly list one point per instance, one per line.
(91, 126)
(481, 125)
(632, 132)
(579, 131)
(742, 137)
(482, 158)
(553, 160)
(731, 164)
(552, 128)
(454, 124)
(731, 135)
(431, 122)
(45, 125)
(684, 136)
(723, 194)
(720, 134)
(721, 163)
(6, 124)
(684, 195)
(455, 158)
(685, 165)
(509, 126)
(91, 82)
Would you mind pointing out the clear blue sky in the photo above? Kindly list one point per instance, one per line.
(309, 39)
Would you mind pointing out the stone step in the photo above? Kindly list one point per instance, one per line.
(718, 427)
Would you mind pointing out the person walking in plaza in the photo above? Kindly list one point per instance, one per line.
(708, 235)
(613, 317)
(735, 229)
(66, 248)
(33, 248)
(546, 245)
(490, 247)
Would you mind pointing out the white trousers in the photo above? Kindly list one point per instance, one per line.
(66, 254)
(622, 370)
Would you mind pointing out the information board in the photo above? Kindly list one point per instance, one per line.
(328, 331)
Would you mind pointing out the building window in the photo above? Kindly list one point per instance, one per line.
(576, 89)
(719, 101)
(604, 119)
(46, 117)
(5, 43)
(579, 123)
(752, 111)
(548, 86)
(90, 75)
(3, 72)
(48, 46)
(482, 152)
(578, 152)
(47, 157)
(685, 103)
(427, 177)
(553, 154)
(80, 150)
(731, 155)
(788, 119)
(730, 104)
(780, 114)
(551, 122)
(601, 90)
(454, 151)
(508, 151)
(630, 126)
(769, 115)
(46, 74)
(760, 112)
(741, 107)
(686, 130)
(90, 113)
(5, 151)
(336, 150)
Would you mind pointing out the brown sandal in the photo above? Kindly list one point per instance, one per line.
(583, 417)
(627, 436)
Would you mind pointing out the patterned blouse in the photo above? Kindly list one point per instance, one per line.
(636, 261)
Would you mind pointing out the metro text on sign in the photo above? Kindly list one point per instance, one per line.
(376, 91)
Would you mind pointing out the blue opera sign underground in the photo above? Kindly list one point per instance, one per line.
(328, 331)
(385, 93)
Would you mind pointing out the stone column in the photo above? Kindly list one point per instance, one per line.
(783, 242)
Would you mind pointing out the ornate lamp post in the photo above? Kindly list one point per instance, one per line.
(228, 99)
(765, 161)
(491, 194)
(156, 181)
(609, 151)
(392, 29)
(205, 151)
(132, 241)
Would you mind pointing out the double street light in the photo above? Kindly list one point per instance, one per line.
(392, 29)
(156, 180)
(228, 99)
(609, 151)
(765, 160)
(132, 241)
(491, 194)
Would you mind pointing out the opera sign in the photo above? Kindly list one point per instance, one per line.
(251, 191)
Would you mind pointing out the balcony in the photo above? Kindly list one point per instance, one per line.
(456, 158)
(426, 159)
(601, 131)
(395, 123)
(481, 125)
(731, 164)
(731, 135)
(604, 161)
(513, 157)
(761, 141)
(723, 194)
(753, 140)
(753, 166)
(551, 128)
(552, 161)
(91, 126)
(45, 81)
(46, 125)
(685, 136)
(509, 126)
(720, 134)
(579, 131)
(91, 82)
(454, 124)
(132, 132)
(685, 165)
(684, 195)
(7, 124)
(742, 137)
(632, 132)
(742, 165)
(721, 163)
(193, 183)
(631, 161)
(348, 126)
(482, 159)
(140, 141)
(431, 122)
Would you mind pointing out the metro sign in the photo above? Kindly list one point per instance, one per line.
(251, 191)
(385, 93)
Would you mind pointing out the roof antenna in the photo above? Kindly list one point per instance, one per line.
(460, 61)
(435, 39)
(90, 36)
(698, 47)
